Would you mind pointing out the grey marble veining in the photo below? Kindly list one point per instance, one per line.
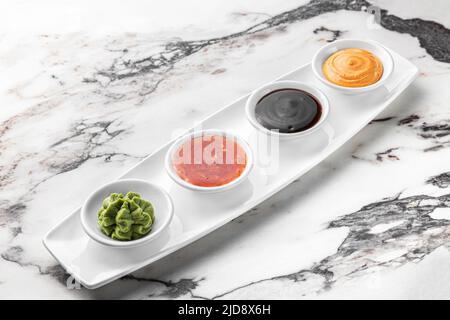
(434, 37)
(356, 255)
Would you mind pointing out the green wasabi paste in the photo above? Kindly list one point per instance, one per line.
(126, 217)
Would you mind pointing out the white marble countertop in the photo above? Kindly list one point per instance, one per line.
(86, 91)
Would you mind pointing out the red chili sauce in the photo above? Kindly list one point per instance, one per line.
(209, 160)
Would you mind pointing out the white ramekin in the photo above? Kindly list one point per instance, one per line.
(158, 197)
(374, 47)
(179, 142)
(258, 94)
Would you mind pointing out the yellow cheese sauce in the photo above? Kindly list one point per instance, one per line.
(353, 67)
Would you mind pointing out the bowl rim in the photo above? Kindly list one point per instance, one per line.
(259, 93)
(341, 44)
(177, 143)
(105, 240)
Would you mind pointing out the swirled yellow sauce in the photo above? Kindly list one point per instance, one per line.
(353, 67)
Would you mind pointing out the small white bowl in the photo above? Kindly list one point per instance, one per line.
(160, 200)
(258, 94)
(374, 47)
(179, 142)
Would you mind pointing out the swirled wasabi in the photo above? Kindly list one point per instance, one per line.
(126, 217)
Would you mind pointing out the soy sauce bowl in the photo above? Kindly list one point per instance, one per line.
(263, 91)
(158, 197)
(209, 132)
(372, 46)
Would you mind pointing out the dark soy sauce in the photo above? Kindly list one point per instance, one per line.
(288, 110)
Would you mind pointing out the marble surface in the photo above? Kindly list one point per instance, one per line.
(89, 90)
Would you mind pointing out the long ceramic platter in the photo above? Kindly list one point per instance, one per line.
(196, 215)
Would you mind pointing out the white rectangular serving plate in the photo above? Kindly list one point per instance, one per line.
(196, 215)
